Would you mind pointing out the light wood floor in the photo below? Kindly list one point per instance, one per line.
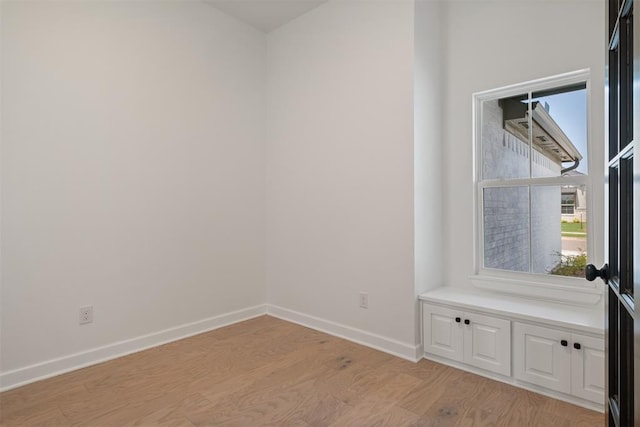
(269, 372)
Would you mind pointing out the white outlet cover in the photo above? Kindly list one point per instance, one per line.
(86, 315)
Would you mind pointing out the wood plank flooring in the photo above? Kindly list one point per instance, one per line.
(267, 371)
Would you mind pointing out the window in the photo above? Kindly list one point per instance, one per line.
(568, 203)
(532, 178)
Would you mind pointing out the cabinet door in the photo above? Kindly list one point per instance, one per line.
(540, 357)
(442, 333)
(487, 343)
(587, 368)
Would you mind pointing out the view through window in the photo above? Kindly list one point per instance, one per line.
(532, 183)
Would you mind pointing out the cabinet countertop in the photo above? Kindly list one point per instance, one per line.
(589, 319)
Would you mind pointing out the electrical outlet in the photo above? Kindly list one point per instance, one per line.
(86, 315)
(364, 300)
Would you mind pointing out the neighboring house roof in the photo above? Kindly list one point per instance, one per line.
(573, 187)
(548, 137)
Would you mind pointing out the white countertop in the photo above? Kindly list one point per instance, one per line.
(588, 319)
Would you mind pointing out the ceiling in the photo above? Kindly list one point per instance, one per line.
(265, 15)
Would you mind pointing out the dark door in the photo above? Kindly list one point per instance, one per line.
(621, 404)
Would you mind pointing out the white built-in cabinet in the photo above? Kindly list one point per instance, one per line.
(559, 360)
(478, 340)
(555, 349)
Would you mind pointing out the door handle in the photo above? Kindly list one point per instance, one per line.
(564, 343)
(591, 272)
(467, 321)
(458, 320)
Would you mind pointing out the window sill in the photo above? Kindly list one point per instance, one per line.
(566, 294)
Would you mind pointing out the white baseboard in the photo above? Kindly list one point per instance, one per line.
(405, 351)
(50, 368)
(53, 367)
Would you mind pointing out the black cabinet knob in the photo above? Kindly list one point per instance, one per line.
(564, 343)
(458, 320)
(577, 345)
(467, 321)
(591, 272)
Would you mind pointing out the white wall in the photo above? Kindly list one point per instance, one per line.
(429, 83)
(132, 171)
(340, 168)
(492, 44)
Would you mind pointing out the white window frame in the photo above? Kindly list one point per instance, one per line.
(516, 281)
